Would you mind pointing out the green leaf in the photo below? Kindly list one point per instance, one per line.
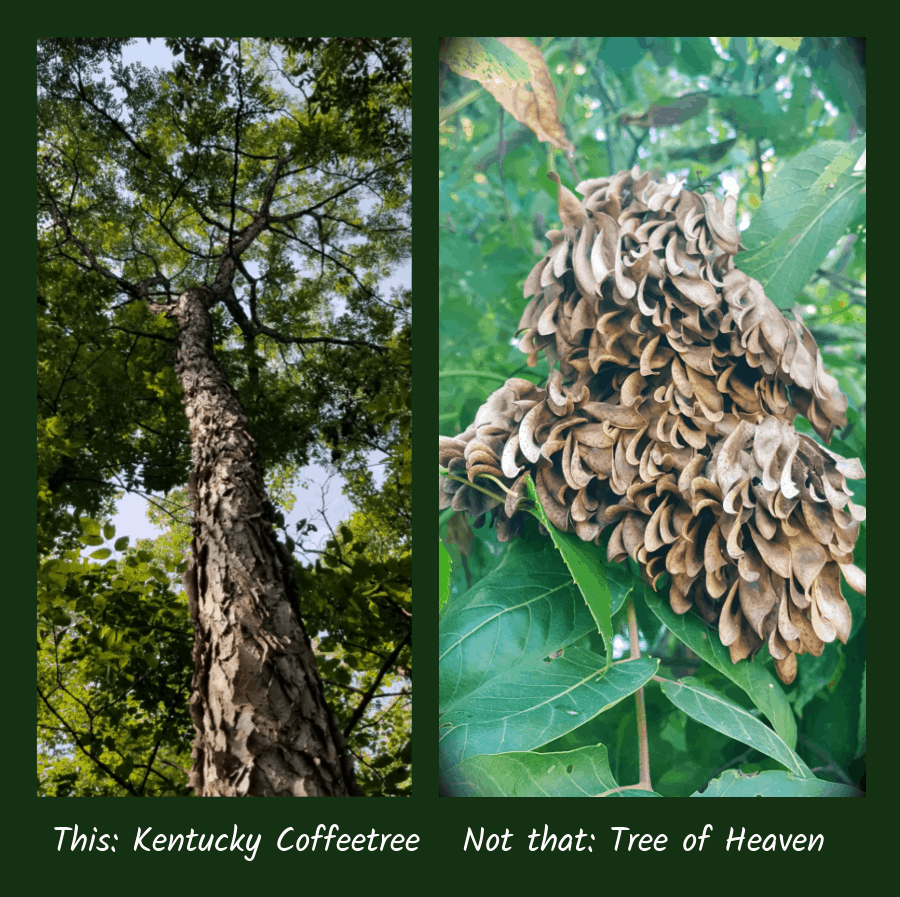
(787, 190)
(760, 685)
(101, 554)
(518, 614)
(583, 772)
(109, 530)
(719, 713)
(773, 784)
(382, 762)
(89, 526)
(808, 206)
(396, 776)
(583, 560)
(122, 543)
(532, 705)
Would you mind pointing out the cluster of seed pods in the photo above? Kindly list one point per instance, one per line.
(668, 416)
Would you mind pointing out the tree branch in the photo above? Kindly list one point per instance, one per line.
(361, 708)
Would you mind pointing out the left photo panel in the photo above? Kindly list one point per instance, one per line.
(224, 397)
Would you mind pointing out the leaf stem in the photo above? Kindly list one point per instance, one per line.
(487, 375)
(462, 102)
(471, 485)
(521, 505)
(643, 743)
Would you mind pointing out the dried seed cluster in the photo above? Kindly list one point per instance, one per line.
(668, 418)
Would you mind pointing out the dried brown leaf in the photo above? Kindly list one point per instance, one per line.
(535, 108)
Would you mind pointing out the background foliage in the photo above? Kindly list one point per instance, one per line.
(722, 113)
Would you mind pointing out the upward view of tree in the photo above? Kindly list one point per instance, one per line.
(213, 240)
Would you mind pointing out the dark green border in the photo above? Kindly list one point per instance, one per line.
(440, 862)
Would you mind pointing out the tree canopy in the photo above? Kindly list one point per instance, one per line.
(780, 124)
(272, 175)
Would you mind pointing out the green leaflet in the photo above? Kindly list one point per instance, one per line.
(808, 206)
(583, 560)
(518, 614)
(774, 784)
(583, 772)
(501, 692)
(532, 705)
(717, 712)
(760, 685)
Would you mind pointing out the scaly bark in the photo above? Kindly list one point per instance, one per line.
(262, 727)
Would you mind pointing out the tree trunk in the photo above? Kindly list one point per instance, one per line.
(262, 727)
